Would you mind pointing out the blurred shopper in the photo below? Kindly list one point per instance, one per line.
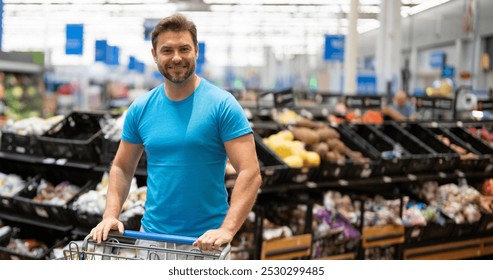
(401, 108)
(188, 128)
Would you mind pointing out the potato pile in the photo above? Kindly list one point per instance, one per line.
(464, 154)
(326, 142)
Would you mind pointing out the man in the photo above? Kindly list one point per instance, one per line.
(401, 109)
(188, 128)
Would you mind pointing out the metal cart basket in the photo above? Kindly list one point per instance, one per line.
(136, 245)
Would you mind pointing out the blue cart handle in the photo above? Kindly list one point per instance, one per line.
(159, 237)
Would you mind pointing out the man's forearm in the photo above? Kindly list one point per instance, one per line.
(242, 199)
(119, 184)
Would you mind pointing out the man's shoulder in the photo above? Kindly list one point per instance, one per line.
(144, 98)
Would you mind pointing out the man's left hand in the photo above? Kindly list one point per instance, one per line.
(213, 239)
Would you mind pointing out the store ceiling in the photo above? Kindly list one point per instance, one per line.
(235, 32)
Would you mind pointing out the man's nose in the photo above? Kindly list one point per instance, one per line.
(176, 57)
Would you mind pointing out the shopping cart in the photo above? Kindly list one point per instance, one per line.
(136, 245)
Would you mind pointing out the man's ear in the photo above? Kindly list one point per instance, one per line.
(154, 56)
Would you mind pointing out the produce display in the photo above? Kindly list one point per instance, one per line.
(112, 127)
(464, 154)
(10, 184)
(334, 225)
(93, 202)
(483, 133)
(380, 212)
(459, 203)
(31, 126)
(60, 194)
(309, 143)
(420, 214)
(22, 97)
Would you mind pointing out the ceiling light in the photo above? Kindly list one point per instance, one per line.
(422, 7)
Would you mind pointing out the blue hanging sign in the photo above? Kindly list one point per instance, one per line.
(74, 43)
(437, 59)
(367, 84)
(131, 62)
(113, 55)
(334, 48)
(201, 58)
(100, 53)
(448, 71)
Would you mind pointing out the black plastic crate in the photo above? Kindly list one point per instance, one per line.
(273, 169)
(88, 221)
(7, 203)
(354, 142)
(466, 164)
(486, 224)
(477, 145)
(413, 234)
(61, 214)
(384, 145)
(20, 144)
(448, 160)
(438, 232)
(424, 158)
(464, 230)
(77, 137)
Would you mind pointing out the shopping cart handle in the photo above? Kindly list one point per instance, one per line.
(159, 237)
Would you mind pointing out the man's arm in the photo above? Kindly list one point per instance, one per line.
(121, 174)
(242, 155)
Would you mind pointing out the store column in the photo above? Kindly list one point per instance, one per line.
(1, 24)
(388, 55)
(350, 52)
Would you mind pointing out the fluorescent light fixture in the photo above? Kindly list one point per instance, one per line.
(371, 25)
(425, 5)
(275, 2)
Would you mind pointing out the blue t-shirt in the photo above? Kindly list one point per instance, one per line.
(186, 157)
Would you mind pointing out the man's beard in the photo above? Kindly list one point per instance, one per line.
(177, 79)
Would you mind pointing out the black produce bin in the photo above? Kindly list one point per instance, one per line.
(479, 163)
(88, 221)
(61, 214)
(448, 159)
(413, 234)
(476, 144)
(272, 168)
(20, 144)
(384, 145)
(434, 232)
(7, 203)
(424, 158)
(355, 143)
(77, 137)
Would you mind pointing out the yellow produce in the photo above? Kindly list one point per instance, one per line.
(286, 135)
(311, 159)
(294, 161)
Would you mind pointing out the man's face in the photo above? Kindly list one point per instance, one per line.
(175, 55)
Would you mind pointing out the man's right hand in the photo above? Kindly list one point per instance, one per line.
(101, 231)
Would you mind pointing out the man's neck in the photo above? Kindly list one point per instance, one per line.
(180, 91)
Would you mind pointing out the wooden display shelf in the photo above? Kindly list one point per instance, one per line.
(448, 251)
(348, 256)
(383, 236)
(293, 247)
